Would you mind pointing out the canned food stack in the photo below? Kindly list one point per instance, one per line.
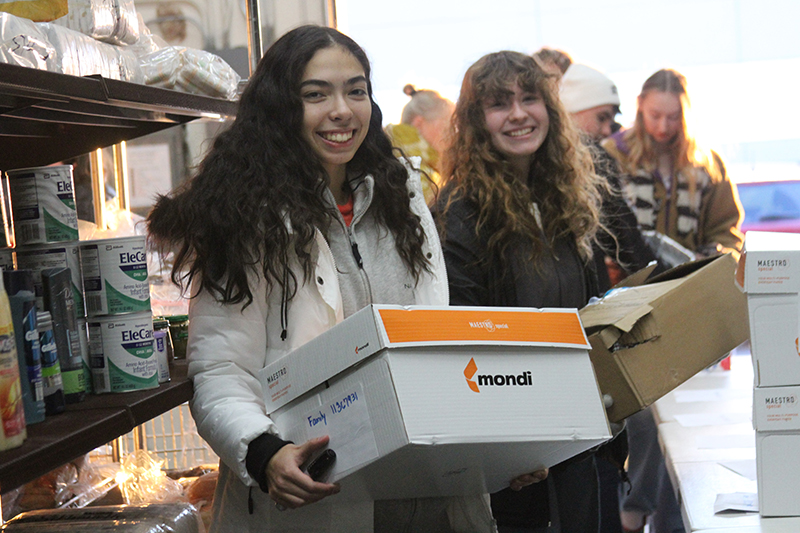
(120, 321)
(42, 224)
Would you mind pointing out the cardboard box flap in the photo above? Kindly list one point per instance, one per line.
(624, 307)
(639, 277)
(682, 271)
(409, 326)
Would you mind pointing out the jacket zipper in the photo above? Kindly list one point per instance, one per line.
(354, 245)
(359, 260)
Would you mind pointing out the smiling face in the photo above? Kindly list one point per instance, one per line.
(517, 123)
(336, 109)
(662, 116)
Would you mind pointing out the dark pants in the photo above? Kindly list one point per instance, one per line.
(609, 480)
(573, 501)
(651, 489)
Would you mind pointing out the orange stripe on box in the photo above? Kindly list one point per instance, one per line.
(440, 325)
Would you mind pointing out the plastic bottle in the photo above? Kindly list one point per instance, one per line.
(59, 301)
(12, 410)
(22, 299)
(162, 345)
(51, 367)
(179, 331)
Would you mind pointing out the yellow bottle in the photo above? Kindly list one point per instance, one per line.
(12, 411)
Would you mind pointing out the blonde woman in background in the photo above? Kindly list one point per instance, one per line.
(680, 190)
(423, 131)
(675, 186)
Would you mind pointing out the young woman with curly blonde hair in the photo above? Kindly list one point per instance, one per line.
(518, 213)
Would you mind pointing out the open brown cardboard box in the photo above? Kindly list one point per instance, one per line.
(648, 339)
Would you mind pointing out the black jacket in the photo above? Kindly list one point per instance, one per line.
(562, 279)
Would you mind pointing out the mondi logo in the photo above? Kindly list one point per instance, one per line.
(488, 325)
(497, 380)
(359, 348)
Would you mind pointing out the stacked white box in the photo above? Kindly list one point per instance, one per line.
(776, 418)
(771, 279)
(772, 283)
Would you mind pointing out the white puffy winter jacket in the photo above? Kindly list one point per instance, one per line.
(228, 346)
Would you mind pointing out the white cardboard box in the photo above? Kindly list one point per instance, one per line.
(423, 401)
(776, 418)
(776, 409)
(772, 283)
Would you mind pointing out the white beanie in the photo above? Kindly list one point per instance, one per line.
(583, 88)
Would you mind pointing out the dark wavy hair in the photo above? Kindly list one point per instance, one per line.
(258, 195)
(561, 179)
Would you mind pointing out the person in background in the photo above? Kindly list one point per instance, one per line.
(553, 60)
(592, 100)
(299, 216)
(518, 212)
(423, 131)
(674, 185)
(681, 190)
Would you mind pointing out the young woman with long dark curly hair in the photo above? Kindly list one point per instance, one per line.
(519, 210)
(299, 216)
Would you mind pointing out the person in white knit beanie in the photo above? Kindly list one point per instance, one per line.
(591, 98)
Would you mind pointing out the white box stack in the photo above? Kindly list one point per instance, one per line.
(770, 275)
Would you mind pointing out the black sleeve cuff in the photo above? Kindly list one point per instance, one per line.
(259, 452)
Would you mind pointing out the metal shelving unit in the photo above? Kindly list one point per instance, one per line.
(47, 117)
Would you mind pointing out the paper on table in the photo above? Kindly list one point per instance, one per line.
(736, 501)
(745, 468)
(712, 419)
(710, 395)
(722, 442)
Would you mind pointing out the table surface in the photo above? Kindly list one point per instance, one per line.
(703, 424)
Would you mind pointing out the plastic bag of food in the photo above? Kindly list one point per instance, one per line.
(146, 482)
(80, 55)
(84, 483)
(206, 73)
(112, 21)
(160, 68)
(190, 70)
(23, 43)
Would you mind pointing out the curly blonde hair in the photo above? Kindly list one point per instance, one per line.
(686, 151)
(561, 180)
